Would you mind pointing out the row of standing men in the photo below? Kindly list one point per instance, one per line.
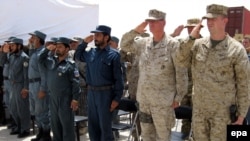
(42, 85)
(219, 67)
(49, 85)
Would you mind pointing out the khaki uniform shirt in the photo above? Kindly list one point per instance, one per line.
(159, 74)
(220, 74)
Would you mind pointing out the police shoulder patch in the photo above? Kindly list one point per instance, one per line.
(25, 64)
(76, 73)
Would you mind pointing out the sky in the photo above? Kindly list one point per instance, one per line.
(121, 15)
(124, 15)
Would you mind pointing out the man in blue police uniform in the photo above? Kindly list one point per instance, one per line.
(64, 88)
(104, 80)
(18, 77)
(39, 98)
(6, 83)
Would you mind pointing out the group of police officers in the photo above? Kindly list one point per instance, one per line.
(40, 83)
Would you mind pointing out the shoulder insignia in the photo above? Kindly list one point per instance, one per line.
(76, 73)
(25, 64)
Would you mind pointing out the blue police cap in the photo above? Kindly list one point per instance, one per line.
(52, 40)
(9, 39)
(63, 40)
(115, 39)
(16, 41)
(39, 34)
(102, 29)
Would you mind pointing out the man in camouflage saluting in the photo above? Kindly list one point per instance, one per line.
(187, 99)
(161, 84)
(220, 70)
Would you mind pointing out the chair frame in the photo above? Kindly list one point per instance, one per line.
(125, 105)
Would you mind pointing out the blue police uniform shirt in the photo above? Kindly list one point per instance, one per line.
(18, 68)
(36, 70)
(62, 77)
(103, 67)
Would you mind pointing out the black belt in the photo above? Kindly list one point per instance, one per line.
(33, 80)
(100, 88)
(5, 78)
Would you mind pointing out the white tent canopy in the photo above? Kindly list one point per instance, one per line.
(56, 18)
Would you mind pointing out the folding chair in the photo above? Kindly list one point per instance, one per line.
(78, 120)
(128, 106)
(184, 112)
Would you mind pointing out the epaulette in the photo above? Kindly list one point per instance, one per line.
(71, 61)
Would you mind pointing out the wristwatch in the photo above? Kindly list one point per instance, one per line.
(191, 38)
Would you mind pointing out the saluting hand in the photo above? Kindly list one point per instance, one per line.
(196, 31)
(51, 47)
(141, 27)
(88, 39)
(6, 48)
(177, 31)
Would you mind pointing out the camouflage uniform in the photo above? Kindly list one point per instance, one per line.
(220, 75)
(132, 73)
(187, 99)
(160, 83)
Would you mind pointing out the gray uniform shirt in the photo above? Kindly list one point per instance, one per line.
(36, 70)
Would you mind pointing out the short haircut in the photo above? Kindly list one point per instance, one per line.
(247, 38)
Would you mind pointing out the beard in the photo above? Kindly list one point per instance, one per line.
(14, 51)
(59, 54)
(99, 43)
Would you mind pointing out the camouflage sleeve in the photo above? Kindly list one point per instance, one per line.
(181, 74)
(183, 53)
(242, 68)
(123, 56)
(128, 43)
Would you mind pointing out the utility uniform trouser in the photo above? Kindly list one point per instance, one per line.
(39, 107)
(210, 125)
(159, 128)
(186, 123)
(6, 89)
(62, 118)
(20, 107)
(99, 115)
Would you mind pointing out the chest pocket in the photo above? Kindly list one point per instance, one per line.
(223, 69)
(162, 59)
(107, 68)
(62, 71)
(106, 64)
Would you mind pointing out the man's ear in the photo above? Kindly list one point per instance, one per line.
(68, 49)
(106, 38)
(225, 20)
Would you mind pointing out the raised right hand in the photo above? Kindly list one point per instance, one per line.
(51, 47)
(196, 31)
(177, 31)
(141, 27)
(6, 48)
(88, 39)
